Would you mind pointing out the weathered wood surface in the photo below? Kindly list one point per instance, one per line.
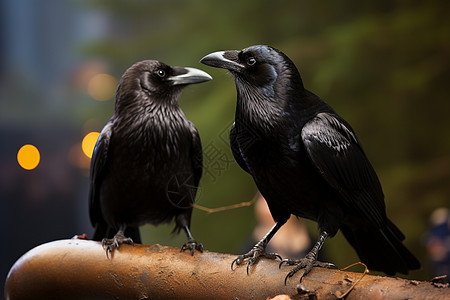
(79, 269)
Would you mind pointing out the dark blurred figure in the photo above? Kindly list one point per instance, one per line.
(438, 243)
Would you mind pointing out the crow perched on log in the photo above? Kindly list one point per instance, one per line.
(147, 161)
(306, 160)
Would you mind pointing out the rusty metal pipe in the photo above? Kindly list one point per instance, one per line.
(79, 269)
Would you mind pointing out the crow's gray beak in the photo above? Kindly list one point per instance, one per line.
(223, 59)
(185, 75)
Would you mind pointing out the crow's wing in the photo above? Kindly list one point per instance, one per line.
(236, 149)
(98, 163)
(336, 153)
(196, 154)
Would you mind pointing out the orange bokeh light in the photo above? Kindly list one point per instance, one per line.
(102, 87)
(88, 143)
(28, 157)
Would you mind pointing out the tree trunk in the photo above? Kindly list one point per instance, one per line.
(79, 269)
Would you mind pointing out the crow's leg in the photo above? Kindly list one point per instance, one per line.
(309, 261)
(191, 244)
(110, 244)
(182, 221)
(259, 249)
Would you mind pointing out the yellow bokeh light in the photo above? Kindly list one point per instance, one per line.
(102, 87)
(28, 157)
(88, 143)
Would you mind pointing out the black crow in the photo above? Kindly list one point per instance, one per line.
(147, 161)
(306, 160)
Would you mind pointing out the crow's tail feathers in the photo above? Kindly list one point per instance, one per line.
(382, 249)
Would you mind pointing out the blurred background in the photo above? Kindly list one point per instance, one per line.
(383, 65)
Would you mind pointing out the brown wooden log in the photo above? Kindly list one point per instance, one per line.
(79, 269)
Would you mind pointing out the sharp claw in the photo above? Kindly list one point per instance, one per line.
(303, 274)
(305, 264)
(248, 266)
(282, 262)
(278, 256)
(289, 275)
(192, 246)
(110, 244)
(234, 261)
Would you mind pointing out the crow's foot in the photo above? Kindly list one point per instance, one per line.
(192, 245)
(110, 244)
(306, 263)
(254, 255)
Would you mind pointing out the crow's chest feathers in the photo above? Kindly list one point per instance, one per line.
(156, 135)
(274, 146)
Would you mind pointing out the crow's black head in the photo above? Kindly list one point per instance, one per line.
(267, 82)
(155, 81)
(261, 67)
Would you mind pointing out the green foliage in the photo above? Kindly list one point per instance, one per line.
(383, 66)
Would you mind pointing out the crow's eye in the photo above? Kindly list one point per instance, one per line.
(161, 73)
(251, 61)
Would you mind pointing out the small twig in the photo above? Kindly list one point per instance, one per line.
(228, 207)
(366, 271)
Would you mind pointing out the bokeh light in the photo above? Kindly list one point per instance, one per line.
(102, 87)
(88, 143)
(28, 157)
